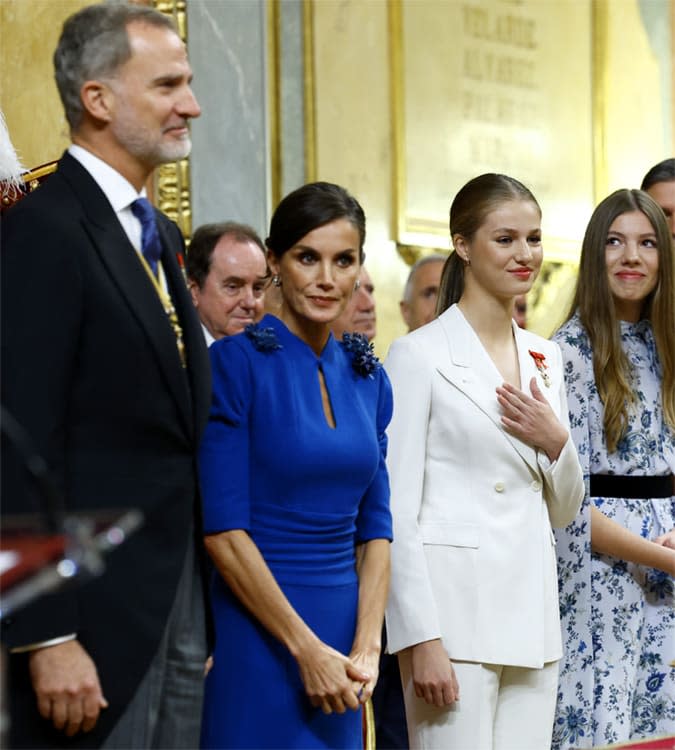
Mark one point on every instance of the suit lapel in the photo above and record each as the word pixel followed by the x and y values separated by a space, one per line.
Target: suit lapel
pixel 198 366
pixel 122 263
pixel 528 368
pixel 470 369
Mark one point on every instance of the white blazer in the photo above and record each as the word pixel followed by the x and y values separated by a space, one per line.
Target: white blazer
pixel 473 558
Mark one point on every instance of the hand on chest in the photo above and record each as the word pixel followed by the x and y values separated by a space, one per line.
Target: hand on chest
pixel 466 416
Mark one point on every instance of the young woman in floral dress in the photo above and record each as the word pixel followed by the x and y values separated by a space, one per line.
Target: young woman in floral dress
pixel 617 560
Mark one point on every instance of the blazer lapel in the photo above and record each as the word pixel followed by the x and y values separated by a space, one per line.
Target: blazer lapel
pixel 470 369
pixel 528 367
pixel 124 266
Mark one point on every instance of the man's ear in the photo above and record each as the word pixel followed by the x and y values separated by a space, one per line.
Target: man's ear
pixel 405 312
pixel 98 100
pixel 194 292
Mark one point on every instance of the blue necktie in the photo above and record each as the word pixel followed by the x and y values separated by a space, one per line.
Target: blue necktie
pixel 150 243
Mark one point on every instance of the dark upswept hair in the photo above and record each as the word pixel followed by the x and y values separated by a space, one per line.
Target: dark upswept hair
pixel 664 171
pixel 469 209
pixel 93 45
pixel 310 207
pixel 595 305
pixel 204 241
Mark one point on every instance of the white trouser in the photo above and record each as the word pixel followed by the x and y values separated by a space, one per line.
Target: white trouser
pixel 500 708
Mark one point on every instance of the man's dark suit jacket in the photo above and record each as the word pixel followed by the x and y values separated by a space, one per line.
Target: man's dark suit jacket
pixel 91 370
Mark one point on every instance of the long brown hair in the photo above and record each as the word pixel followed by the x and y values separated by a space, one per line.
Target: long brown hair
pixel 468 212
pixel 594 303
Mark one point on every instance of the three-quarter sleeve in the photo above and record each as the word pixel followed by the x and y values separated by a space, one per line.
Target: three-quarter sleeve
pixel 224 451
pixel 374 517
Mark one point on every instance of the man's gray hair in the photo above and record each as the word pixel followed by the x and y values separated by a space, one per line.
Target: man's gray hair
pixel 93 45
pixel 433 258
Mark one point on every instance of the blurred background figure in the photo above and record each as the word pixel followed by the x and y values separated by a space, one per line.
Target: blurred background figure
pixel 359 315
pixel 520 310
pixel 659 182
pixel 227 276
pixel 418 305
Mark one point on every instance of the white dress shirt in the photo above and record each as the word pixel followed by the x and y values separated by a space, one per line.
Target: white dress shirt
pixel 120 194
pixel 207 335
pixel 117 189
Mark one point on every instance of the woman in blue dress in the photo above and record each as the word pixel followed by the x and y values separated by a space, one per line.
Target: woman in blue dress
pixel 617 559
pixel 296 498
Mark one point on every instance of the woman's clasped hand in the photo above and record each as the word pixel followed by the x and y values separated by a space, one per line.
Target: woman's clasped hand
pixel 332 681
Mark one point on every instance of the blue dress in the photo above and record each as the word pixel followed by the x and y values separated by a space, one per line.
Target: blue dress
pixel 307 494
pixel 618 618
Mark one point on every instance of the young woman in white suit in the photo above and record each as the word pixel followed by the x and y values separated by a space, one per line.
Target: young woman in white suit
pixel 481 465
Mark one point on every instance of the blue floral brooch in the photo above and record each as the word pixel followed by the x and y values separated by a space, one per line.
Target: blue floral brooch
pixel 364 360
pixel 264 339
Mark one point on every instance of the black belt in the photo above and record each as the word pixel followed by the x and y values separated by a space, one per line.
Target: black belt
pixel 613 485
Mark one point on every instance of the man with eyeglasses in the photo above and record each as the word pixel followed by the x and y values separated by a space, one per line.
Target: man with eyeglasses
pixel 227 276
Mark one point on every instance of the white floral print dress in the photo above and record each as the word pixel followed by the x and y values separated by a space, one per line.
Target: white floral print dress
pixel 618 619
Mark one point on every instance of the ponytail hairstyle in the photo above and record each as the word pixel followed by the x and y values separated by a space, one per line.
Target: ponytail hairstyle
pixel 468 212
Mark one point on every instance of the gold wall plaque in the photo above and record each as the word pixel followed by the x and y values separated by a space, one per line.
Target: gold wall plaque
pixel 492 86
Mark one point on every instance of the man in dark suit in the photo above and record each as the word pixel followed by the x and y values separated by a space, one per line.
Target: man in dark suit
pixel 104 365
